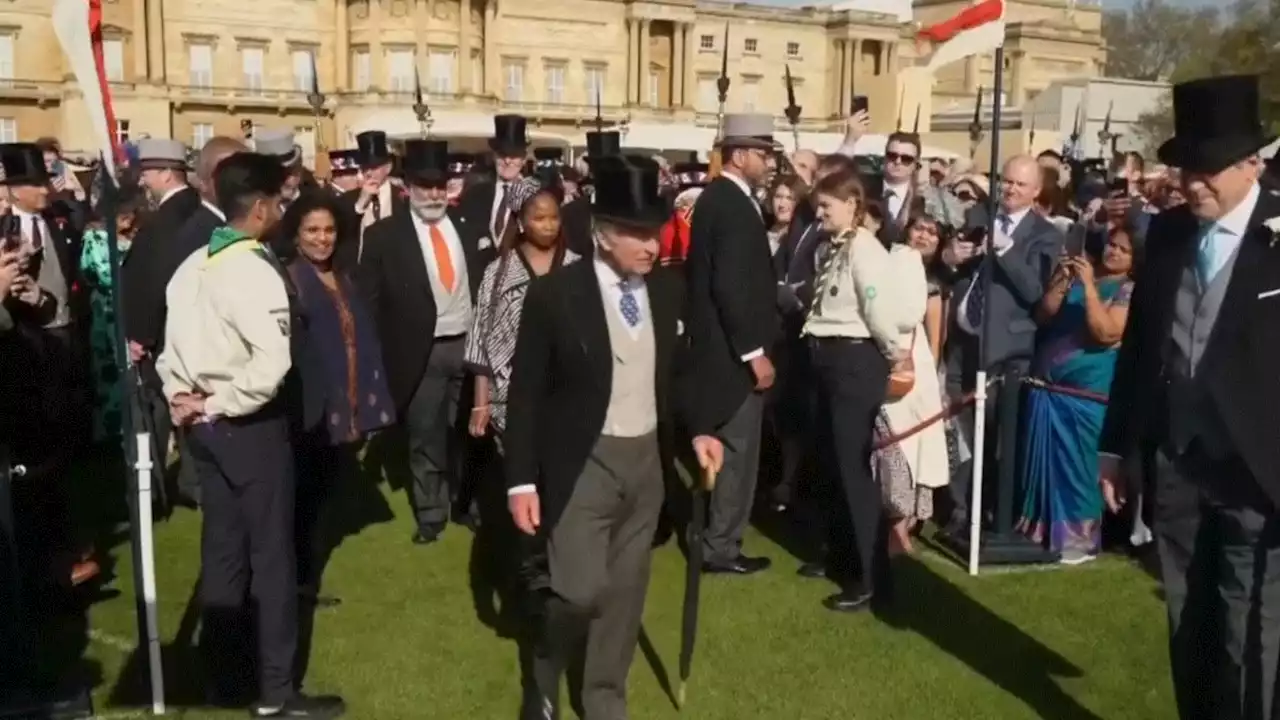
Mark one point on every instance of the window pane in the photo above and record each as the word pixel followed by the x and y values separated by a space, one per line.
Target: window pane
pixel 113 59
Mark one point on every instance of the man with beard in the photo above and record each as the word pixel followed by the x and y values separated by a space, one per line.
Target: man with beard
pixel 223 366
pixel 421 271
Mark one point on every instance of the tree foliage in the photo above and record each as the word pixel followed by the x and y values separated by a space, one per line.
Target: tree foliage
pixel 1153 38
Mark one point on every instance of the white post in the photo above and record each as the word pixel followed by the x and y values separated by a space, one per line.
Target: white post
pixel 979 443
pixel 147 557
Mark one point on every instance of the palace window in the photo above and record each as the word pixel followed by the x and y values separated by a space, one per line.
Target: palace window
pixel 750 93
pixel 793 49
pixel 201 133
pixel 251 64
pixel 113 59
pixel 595 83
pixel 303 64
pixel 200 66
pixel 555 83
pixel 6 59
pixel 513 71
pixel 8 130
pixel 707 42
pixel 750 45
pixel 707 97
pixel 654 82
pixel 361 71
pixel 122 131
pixel 440 65
pixel 400 70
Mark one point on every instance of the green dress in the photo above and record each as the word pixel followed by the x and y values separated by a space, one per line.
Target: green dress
pixel 95 268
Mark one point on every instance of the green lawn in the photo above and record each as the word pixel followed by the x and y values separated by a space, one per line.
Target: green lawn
pixel 407 643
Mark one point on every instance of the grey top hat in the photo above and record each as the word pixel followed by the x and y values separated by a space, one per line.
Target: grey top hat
pixel 748 130
pixel 155 153
pixel 279 144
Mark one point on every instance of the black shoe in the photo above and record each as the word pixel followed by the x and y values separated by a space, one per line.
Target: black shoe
pixel 426 536
pixel 327 601
pixel 323 707
pixel 849 601
pixel 813 570
pixel 741 565
pixel 467 520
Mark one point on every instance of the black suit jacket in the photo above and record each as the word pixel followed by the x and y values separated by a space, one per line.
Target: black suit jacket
pixel 476 205
pixel 150 264
pixel 731 303
pixel 394 278
pixel 562 377
pixel 1239 364
pixel 346 255
pixel 575 222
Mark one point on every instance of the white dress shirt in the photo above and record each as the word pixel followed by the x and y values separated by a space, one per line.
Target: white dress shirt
pixel 611 293
pixel 170 193
pixel 1002 241
pixel 453 308
pixel 53 277
pixel 746 190
pixel 894 197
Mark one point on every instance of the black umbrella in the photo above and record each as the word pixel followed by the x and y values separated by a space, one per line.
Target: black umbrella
pixel 693 578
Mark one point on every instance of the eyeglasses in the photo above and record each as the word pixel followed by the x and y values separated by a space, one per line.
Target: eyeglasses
pixel 900 158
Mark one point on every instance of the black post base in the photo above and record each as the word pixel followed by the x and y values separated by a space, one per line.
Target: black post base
pixel 1000 549
pixel 61 705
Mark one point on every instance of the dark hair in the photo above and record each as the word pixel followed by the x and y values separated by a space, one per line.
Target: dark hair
pixel 307 203
pixel 243 179
pixel 1050 154
pixel 511 237
pixel 799 191
pixel 837 163
pixel 49 144
pixel 911 139
pixel 1137 243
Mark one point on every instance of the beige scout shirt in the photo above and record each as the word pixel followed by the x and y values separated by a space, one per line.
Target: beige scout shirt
pixel 851 294
pixel 227 333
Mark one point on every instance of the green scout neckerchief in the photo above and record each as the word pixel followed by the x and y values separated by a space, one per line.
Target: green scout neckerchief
pixel 224 237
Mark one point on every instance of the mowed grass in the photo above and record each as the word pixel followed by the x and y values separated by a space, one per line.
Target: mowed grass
pixel 407 642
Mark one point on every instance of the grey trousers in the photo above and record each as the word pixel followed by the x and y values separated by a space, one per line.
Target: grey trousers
pixel 599 554
pixel 1219 547
pixel 431 422
pixel 735 490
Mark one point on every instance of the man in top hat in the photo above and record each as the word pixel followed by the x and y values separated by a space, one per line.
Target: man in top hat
pixel 459 165
pixel 732 323
pixel 1195 382
pixel 344 171
pixel 576 214
pixel 420 271
pixel 590 436
pixel 42 363
pixel 376 198
pixel 485 204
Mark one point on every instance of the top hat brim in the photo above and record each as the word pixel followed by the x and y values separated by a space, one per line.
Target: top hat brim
pixel 508 147
pixel 26 179
pixel 652 217
pixel 163 164
pixel 748 141
pixel 1210 156
pixel 426 177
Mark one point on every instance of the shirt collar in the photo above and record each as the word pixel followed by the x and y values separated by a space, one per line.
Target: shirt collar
pixel 170 193
pixel 899 190
pixel 214 209
pixel 1015 218
pixel 742 184
pixel 610 278
pixel 1236 222
pixel 23 213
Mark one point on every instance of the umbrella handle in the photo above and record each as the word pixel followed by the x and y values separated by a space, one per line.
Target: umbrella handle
pixel 708 479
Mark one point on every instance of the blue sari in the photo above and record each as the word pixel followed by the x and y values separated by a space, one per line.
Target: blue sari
pixel 1062 504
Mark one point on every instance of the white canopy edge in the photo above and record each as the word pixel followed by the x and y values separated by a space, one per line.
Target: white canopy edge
pixel 444 124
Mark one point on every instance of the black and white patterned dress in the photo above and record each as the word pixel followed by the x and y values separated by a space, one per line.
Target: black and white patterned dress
pixel 491 344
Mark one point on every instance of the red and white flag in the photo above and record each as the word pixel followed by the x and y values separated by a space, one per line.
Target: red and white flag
pixel 976 29
pixel 78 25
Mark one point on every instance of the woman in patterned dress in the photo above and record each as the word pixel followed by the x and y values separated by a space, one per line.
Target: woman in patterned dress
pixel 95 268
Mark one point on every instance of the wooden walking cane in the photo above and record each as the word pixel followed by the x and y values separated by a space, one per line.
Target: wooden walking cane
pixel 693 579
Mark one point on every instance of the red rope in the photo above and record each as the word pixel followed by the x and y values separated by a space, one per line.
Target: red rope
pixel 951 410
pixel 1065 390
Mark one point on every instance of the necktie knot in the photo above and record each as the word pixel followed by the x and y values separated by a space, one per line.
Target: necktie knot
pixel 1005 221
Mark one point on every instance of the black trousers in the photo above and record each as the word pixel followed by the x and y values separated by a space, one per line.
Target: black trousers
pixel 245 466
pixel 320 466
pixel 431 422
pixel 1218 540
pixel 851 378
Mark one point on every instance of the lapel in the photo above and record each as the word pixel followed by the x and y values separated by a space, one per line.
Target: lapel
pixel 665 330
pixel 470 248
pixel 406 238
pixel 587 310
pixel 1251 262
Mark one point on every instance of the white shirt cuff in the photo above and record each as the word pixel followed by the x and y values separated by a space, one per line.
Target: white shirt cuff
pixel 753 355
pixel 522 490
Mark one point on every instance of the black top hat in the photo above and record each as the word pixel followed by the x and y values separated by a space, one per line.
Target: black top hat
pixel 1216 123
pixel 603 143
pixel 627 192
pixel 509 136
pixel 461 163
pixel 344 162
pixel 426 162
pixel 372 148
pixel 23 164
pixel 690 174
pixel 548 155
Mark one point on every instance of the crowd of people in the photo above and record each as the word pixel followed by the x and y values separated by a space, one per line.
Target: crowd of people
pixel 568 336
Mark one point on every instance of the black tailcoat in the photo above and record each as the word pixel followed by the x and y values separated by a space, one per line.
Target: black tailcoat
pixel 346 255
pixel 562 378
pixel 150 264
pixel 731 303
pixel 394 278
pixel 1239 364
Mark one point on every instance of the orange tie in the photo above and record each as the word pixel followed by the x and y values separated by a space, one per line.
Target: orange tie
pixel 444 262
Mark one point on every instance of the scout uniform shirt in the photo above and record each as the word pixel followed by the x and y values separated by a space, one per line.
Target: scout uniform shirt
pixel 227 333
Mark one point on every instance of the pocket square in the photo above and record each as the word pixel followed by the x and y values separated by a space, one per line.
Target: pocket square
pixel 484 243
pixel 679 327
pixel 1269 293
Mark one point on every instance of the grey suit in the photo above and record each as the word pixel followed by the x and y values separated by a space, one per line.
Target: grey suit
pixel 1018 280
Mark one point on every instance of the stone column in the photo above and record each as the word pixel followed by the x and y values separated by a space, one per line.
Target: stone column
pixel 1017 78
pixel 884 57
pixel 633 62
pixel 141 35
pixel 491 69
pixel 690 66
pixel 422 10
pixel 155 42
pixel 464 47
pixel 891 49
pixel 642 84
pixel 341 47
pixel 855 71
pixel 837 81
pixel 677 66
pixel 971 75
pixel 377 69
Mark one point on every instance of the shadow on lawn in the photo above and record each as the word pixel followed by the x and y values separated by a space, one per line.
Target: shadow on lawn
pixel 929 605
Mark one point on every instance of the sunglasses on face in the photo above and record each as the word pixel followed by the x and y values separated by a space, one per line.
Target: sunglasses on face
pixel 900 158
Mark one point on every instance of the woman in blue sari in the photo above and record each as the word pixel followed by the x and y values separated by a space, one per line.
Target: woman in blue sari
pixel 1082 317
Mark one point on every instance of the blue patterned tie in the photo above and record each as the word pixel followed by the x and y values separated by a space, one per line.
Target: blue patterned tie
pixel 1208 262
pixel 629 306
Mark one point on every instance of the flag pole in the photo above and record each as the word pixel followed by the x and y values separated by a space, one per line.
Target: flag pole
pixel 984 334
